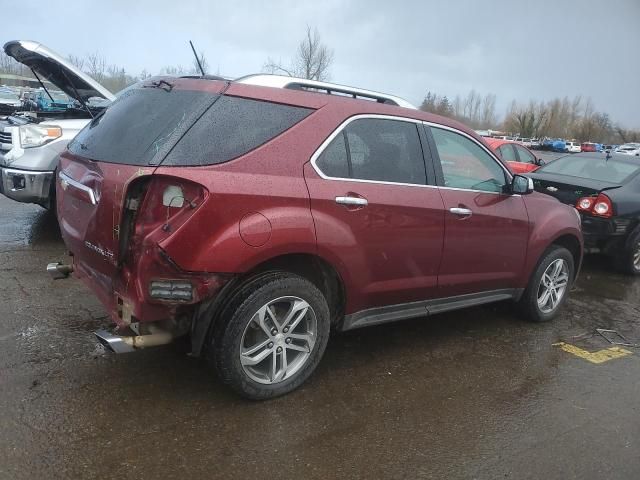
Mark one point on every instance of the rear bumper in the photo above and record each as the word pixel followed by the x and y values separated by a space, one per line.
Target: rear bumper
pixel 26 186
pixel 126 295
pixel 608 236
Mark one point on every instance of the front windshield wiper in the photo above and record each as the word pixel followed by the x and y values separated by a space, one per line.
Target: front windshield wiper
pixel 161 84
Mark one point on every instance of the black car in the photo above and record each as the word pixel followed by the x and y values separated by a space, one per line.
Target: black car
pixel 605 189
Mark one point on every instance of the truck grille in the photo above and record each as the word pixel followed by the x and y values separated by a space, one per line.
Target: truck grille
pixel 5 140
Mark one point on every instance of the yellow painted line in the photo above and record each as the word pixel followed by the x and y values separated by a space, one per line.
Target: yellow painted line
pixel 600 356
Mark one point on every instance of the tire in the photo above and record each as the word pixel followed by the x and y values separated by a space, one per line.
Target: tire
pixel 629 261
pixel 529 304
pixel 247 322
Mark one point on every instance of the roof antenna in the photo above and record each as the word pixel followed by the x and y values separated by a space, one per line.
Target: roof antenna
pixel 197 58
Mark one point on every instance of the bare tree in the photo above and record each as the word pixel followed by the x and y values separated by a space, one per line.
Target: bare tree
pixel 76 61
pixel 312 61
pixel 96 66
pixel 203 62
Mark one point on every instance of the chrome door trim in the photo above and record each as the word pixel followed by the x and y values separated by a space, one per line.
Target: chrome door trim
pixel 352 201
pixel 461 211
pixel 345 123
pixel 66 179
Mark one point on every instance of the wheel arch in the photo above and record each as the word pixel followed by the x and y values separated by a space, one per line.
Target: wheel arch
pixel 571 243
pixel 312 267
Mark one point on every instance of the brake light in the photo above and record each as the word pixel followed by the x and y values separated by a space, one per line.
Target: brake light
pixel 168 203
pixel 600 206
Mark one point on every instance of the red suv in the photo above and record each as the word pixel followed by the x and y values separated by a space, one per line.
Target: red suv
pixel 256 215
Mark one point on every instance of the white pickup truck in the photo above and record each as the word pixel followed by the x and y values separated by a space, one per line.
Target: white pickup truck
pixel 30 142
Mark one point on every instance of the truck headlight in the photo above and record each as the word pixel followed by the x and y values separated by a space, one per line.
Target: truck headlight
pixel 36 135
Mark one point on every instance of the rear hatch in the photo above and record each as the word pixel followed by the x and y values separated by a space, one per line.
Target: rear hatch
pixel 123 145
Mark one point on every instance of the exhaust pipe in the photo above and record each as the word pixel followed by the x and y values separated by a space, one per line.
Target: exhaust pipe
pixel 120 344
pixel 59 271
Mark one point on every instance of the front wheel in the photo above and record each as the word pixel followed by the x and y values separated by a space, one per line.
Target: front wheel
pixel 272 336
pixel 549 285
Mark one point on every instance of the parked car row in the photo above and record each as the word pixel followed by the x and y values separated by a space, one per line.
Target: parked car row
pixel 256 215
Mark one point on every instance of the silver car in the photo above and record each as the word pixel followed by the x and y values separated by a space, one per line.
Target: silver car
pixel 30 142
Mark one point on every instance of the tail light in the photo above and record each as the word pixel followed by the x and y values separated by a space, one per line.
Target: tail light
pixel 167 204
pixel 599 206
pixel 155 211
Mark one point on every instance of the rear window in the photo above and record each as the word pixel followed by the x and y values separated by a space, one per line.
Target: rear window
pixel 141 126
pixel 232 127
pixel 612 171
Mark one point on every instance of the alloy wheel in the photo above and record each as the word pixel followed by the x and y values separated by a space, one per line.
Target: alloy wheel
pixel 636 257
pixel 553 285
pixel 278 340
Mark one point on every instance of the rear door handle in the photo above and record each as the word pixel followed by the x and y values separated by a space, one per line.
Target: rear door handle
pixel 352 201
pixel 463 212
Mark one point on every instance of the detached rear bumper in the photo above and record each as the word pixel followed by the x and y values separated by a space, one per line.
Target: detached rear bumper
pixel 27 186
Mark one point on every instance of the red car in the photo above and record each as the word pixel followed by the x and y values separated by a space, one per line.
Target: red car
pixel 519 159
pixel 256 215
pixel 589 147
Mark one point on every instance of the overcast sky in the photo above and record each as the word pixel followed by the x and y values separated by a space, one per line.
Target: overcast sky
pixel 516 49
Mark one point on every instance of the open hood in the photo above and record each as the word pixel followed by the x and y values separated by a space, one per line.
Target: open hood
pixel 60 72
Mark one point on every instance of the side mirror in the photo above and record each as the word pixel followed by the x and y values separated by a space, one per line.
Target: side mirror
pixel 540 162
pixel 521 185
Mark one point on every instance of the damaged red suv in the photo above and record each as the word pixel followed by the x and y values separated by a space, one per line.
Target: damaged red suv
pixel 256 215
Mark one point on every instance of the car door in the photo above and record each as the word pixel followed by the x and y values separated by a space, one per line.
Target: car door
pixel 526 159
pixel 486 230
pixel 376 218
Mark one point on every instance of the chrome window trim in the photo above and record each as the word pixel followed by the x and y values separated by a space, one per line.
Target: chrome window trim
pixel 509 175
pixel 345 123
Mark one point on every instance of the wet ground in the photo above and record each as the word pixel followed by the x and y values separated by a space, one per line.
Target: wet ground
pixel 472 394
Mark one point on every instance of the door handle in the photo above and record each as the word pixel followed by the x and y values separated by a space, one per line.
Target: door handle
pixel 463 212
pixel 352 201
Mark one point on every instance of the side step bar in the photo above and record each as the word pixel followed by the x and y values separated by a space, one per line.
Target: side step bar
pixel 119 344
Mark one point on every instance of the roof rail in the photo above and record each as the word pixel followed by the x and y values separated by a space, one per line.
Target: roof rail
pixel 293 83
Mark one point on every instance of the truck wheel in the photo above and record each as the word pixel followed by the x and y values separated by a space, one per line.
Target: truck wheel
pixel 629 261
pixel 549 285
pixel 271 336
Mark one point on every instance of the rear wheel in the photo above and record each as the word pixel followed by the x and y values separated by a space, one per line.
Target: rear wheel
pixel 549 285
pixel 629 260
pixel 272 336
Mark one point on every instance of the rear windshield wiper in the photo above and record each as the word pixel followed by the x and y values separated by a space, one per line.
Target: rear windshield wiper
pixel 162 84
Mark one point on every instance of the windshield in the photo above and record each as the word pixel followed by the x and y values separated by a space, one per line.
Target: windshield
pixel 8 95
pixel 58 96
pixel 611 171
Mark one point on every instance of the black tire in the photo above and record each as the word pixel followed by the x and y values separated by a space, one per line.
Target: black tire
pixel 528 304
pixel 625 261
pixel 224 350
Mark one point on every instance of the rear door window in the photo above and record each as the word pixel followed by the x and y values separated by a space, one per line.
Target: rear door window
pixel 334 160
pixel 376 149
pixel 232 127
